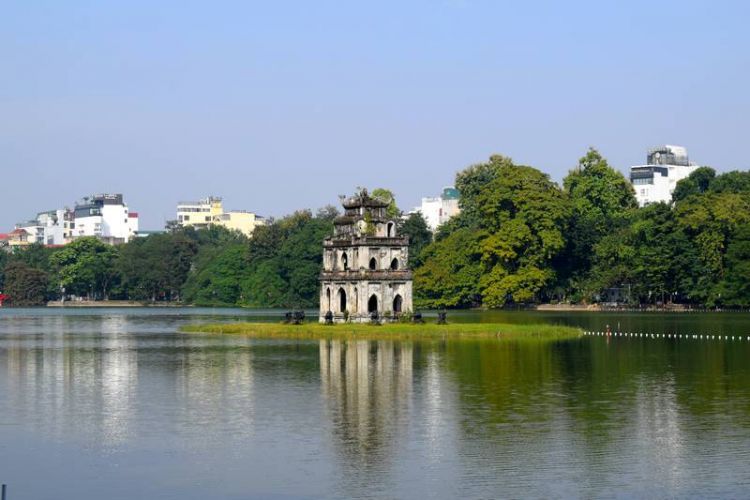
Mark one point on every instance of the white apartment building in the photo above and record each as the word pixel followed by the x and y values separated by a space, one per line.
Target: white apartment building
pixel 54 227
pixel 106 217
pixel 655 181
pixel 437 210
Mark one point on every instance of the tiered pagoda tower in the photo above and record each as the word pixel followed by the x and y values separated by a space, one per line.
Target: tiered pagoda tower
pixel 365 265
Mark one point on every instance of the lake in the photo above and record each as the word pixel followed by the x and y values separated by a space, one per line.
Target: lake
pixel 114 403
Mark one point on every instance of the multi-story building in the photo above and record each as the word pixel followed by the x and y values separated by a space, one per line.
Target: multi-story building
pixel 437 210
pixel 656 180
pixel 53 227
pixel 106 217
pixel 18 238
pixel 199 214
pixel 209 211
pixel 240 220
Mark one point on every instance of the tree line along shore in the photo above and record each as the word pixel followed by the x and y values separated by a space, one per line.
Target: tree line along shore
pixel 520 239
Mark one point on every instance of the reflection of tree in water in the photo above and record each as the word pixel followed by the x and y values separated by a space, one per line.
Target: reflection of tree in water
pixel 614 407
pixel 368 388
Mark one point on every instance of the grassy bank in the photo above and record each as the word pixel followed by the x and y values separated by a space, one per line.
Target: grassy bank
pixel 398 331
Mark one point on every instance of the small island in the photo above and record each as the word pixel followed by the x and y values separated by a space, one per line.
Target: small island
pixel 366 291
pixel 392 331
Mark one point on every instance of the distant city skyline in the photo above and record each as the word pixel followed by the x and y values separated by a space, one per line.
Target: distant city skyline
pixel 283 106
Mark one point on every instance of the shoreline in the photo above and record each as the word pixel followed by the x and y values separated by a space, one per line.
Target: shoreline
pixel 111 303
pixel 591 308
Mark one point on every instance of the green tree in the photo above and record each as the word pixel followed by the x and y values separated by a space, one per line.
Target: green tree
pixel 156 267
pixel 278 267
pixel 386 196
pixel 470 183
pixel 731 182
pixel 710 220
pixel 736 288
pixel 450 274
pixel 25 285
pixel 696 183
pixel 218 280
pixel 601 200
pixel 524 215
pixel 515 219
pixel 4 258
pixel 415 227
pixel 86 267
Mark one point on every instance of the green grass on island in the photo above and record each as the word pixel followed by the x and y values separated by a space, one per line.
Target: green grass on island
pixel 392 331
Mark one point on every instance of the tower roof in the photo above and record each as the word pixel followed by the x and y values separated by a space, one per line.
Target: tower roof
pixel 363 199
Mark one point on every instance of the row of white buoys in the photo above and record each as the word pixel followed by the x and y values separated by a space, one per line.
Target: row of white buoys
pixel 667 335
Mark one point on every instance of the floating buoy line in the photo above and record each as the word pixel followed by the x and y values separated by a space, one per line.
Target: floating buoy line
pixel 678 336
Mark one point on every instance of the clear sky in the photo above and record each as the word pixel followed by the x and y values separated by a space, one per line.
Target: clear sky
pixel 281 105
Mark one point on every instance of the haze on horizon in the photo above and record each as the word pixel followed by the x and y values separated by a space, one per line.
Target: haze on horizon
pixel 278 106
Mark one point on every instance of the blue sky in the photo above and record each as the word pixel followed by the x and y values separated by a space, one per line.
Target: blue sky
pixel 284 105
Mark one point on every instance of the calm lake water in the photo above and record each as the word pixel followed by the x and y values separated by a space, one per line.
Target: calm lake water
pixel 115 404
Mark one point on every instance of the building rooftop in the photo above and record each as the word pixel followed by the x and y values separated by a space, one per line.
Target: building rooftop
pixel 202 201
pixel 668 155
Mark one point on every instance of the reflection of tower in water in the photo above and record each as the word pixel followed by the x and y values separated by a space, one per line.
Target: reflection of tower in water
pixel 368 388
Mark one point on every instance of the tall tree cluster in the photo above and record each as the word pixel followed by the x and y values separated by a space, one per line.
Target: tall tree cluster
pixel 520 238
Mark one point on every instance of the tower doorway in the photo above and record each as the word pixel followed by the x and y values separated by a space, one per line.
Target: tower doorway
pixel 372 304
pixel 342 300
pixel 397 304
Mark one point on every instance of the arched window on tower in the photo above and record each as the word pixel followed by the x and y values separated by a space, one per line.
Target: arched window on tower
pixel 390 231
pixel 344 261
pixel 373 264
pixel 394 265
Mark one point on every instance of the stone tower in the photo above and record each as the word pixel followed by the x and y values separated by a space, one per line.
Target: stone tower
pixel 365 264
